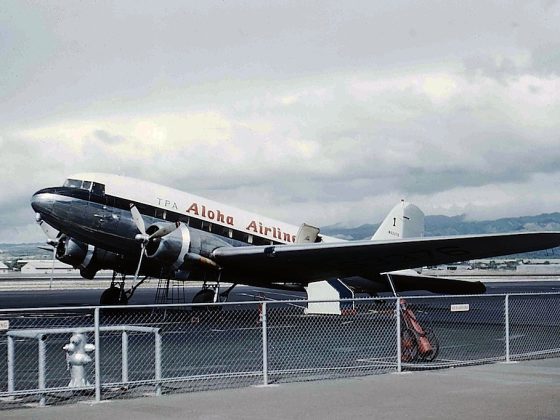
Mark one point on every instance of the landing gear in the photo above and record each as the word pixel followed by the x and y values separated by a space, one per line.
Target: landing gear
pixel 204 296
pixel 113 296
pixel 116 293
pixel 211 294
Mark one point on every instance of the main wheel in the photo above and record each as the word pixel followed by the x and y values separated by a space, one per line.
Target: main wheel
pixel 112 296
pixel 409 346
pixel 430 335
pixel 205 296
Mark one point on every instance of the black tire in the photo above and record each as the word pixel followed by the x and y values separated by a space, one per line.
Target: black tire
pixel 430 335
pixel 205 296
pixel 112 296
pixel 409 346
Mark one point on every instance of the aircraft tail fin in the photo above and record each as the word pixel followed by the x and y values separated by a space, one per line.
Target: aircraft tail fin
pixel 405 220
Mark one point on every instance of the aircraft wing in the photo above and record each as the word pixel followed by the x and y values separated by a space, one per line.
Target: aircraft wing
pixel 317 261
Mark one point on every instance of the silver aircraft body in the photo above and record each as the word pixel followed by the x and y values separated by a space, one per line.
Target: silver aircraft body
pixel 100 221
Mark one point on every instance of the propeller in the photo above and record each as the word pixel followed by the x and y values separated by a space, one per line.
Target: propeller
pixel 53 239
pixel 143 236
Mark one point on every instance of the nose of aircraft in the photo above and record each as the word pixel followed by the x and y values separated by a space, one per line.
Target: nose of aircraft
pixel 42 202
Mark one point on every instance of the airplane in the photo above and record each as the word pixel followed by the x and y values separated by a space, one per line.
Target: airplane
pixel 98 221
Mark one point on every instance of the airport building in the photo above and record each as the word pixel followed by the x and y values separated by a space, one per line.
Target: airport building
pixel 3 268
pixel 46 267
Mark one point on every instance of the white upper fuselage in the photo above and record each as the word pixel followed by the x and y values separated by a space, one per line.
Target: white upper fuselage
pixel 174 201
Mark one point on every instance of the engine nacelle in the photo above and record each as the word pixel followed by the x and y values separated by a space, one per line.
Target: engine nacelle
pixel 170 249
pixel 174 249
pixel 71 252
pixel 87 258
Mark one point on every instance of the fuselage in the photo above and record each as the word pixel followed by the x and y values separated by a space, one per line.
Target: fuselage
pixel 94 208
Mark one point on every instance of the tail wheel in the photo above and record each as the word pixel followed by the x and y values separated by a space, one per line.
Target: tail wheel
pixel 409 345
pixel 430 335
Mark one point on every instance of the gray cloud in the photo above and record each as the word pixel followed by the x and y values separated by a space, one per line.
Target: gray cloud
pixel 308 110
pixel 107 138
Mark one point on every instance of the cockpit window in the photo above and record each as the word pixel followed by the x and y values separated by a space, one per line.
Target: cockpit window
pixel 73 183
pixel 94 187
pixel 76 183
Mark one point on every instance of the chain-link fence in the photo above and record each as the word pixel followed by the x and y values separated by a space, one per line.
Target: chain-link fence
pixel 49 356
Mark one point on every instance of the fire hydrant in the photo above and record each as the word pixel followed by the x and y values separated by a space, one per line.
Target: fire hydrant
pixel 77 359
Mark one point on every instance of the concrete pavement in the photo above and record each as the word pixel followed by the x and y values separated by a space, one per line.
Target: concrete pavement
pixel 525 390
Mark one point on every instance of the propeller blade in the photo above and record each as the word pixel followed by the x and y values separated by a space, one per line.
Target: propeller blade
pixel 52 268
pixel 139 264
pixel 166 230
pixel 49 231
pixel 137 217
pixel 47 248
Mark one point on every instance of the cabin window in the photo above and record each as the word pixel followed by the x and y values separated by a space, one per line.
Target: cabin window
pixel 240 236
pixel 159 213
pixel 221 230
pixel 144 209
pixel 262 241
pixel 195 223
pixel 86 185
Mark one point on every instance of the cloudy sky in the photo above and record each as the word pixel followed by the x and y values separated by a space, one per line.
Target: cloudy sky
pixel 317 111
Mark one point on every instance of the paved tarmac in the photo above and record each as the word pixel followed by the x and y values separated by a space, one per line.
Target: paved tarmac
pixel 34 293
pixel 524 390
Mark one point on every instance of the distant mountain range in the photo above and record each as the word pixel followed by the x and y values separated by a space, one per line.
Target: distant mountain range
pixel 435 226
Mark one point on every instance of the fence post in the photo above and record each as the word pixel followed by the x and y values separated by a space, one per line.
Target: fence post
pixel 158 361
pixel 11 387
pixel 42 360
pixel 97 355
pixel 264 344
pixel 506 319
pixel 398 316
pixel 124 349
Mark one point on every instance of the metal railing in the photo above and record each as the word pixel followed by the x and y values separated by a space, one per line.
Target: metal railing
pixel 159 349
